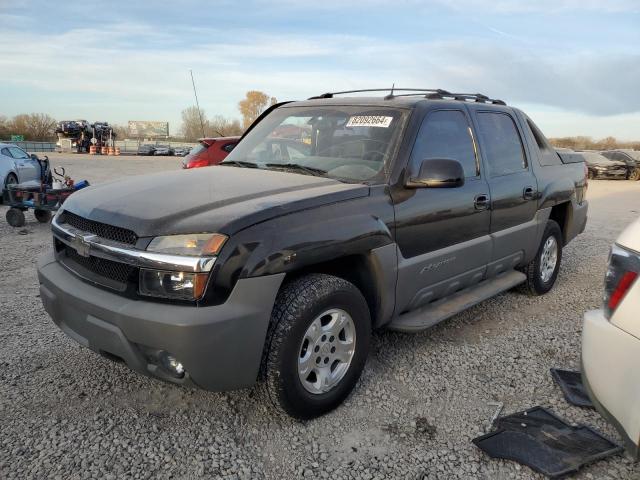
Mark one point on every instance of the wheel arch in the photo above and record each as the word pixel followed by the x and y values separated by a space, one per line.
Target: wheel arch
pixel 374 273
pixel 560 214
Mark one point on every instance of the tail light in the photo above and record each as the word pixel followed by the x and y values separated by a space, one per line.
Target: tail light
pixel 197 163
pixel 623 271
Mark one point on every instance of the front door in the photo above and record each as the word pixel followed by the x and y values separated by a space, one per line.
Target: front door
pixel 442 233
pixel 28 169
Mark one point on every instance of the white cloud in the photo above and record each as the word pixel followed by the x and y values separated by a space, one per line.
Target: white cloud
pixel 133 70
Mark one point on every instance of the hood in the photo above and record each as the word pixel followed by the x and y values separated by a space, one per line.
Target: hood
pixel 607 163
pixel 211 199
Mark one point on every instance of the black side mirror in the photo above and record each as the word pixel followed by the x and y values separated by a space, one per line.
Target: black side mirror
pixel 34 156
pixel 438 173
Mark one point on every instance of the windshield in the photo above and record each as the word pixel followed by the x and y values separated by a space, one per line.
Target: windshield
pixel 591 157
pixel 201 147
pixel 348 143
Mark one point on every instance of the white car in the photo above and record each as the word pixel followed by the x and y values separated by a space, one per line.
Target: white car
pixel 611 342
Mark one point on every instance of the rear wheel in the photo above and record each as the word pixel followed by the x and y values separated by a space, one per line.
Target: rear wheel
pixel 15 217
pixel 635 174
pixel 543 270
pixel 316 346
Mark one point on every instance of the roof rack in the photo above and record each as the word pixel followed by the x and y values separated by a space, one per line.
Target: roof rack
pixel 430 93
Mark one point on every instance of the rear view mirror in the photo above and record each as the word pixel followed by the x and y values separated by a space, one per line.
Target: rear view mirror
pixel 34 156
pixel 438 173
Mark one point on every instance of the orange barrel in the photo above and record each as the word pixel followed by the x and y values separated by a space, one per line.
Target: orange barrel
pixel 111 151
pixel 92 150
pixel 104 150
pixel 117 151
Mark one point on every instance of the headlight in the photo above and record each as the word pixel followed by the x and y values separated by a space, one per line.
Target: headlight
pixel 173 285
pixel 193 244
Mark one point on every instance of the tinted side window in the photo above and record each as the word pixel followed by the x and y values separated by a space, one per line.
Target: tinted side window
pixel 501 143
pixel 5 151
pixel 228 147
pixel 446 134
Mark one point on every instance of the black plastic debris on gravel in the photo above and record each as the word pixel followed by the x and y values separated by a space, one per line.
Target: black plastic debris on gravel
pixel 546 443
pixel 570 382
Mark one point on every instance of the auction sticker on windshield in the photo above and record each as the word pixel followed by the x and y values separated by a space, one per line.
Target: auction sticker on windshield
pixel 369 121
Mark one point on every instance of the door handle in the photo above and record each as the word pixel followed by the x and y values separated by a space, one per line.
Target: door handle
pixel 481 201
pixel 529 193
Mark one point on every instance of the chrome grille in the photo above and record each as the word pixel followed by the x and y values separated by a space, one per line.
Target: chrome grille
pixel 116 271
pixel 103 230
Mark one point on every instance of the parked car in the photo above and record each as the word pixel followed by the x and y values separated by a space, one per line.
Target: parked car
pixel 17 166
pixel 164 150
pixel 611 342
pixel 600 166
pixel 630 157
pixel 209 151
pixel 146 149
pixel 181 151
pixel 401 212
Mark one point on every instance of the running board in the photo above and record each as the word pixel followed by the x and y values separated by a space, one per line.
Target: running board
pixel 436 312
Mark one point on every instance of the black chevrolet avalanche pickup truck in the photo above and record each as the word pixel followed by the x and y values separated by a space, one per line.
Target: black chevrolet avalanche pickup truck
pixel 332 217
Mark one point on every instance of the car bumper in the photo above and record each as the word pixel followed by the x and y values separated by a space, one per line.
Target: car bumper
pixel 219 346
pixel 611 377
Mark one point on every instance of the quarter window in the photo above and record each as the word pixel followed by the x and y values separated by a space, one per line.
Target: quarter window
pixel 502 146
pixel 446 134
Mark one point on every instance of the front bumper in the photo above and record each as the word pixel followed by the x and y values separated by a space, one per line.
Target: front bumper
pixel 611 377
pixel 220 346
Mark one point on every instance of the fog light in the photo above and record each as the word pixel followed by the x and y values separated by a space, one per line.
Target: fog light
pixel 172 365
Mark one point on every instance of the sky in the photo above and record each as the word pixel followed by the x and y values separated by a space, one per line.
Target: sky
pixel 572 65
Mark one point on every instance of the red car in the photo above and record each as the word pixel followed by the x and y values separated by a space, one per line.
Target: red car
pixel 209 151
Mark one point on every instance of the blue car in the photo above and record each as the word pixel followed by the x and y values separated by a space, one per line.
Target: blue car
pixel 17 166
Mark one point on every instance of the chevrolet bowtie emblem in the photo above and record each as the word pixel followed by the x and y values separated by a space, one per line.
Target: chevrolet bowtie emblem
pixel 81 244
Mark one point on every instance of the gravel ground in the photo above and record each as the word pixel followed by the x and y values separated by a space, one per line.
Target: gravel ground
pixel 67 413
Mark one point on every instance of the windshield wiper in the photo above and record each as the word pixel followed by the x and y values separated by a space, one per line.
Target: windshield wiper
pixel 239 163
pixel 318 172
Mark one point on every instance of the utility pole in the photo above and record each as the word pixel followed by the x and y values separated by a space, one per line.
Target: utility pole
pixel 197 104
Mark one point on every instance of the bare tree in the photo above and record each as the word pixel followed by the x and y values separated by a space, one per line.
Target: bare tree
pixel 224 127
pixel 5 134
pixel 254 103
pixel 33 126
pixel 191 126
pixel 588 143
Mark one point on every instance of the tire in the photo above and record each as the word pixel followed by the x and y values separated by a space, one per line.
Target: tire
pixel 321 300
pixel 634 175
pixel 11 179
pixel 540 280
pixel 15 217
pixel 591 175
pixel 43 216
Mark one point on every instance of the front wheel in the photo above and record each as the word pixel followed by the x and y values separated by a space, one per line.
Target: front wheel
pixel 591 175
pixel 316 347
pixel 635 174
pixel 543 270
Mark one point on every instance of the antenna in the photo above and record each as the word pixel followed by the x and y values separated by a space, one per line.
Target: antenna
pixel 390 96
pixel 197 104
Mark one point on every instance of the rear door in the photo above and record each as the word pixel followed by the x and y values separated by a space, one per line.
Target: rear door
pixel 442 233
pixel 512 185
